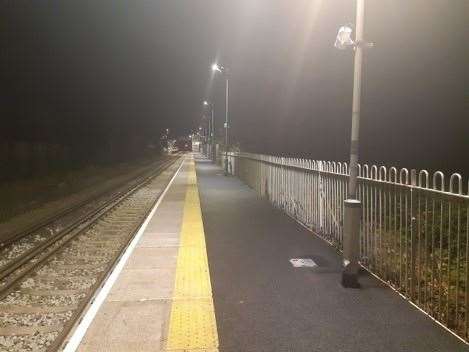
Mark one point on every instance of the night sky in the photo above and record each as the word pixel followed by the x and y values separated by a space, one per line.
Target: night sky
pixel 84 73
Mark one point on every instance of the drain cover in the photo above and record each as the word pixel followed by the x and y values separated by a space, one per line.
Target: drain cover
pixel 303 262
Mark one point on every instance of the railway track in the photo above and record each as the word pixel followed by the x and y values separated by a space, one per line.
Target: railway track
pixel 82 205
pixel 44 290
pixel 18 249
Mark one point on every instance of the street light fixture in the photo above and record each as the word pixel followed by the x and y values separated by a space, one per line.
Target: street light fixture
pixel 218 68
pixel 344 40
pixel 352 203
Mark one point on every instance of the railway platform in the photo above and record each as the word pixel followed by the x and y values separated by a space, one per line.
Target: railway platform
pixel 211 270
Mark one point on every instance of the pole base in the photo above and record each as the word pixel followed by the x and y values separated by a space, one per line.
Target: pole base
pixel 226 167
pixel 351 254
pixel 350 280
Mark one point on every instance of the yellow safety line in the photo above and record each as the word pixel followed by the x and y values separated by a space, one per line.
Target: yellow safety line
pixel 192 325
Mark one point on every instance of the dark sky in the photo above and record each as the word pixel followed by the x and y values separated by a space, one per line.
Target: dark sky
pixel 72 69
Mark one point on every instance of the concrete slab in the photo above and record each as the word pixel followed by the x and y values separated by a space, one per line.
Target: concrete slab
pixel 144 284
pixel 166 224
pixel 153 258
pixel 155 239
pixel 119 328
pixel 170 208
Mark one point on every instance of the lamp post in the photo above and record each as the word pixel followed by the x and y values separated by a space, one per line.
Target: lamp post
pixel 211 130
pixel 224 71
pixel 206 135
pixel 206 128
pixel 352 203
pixel 201 140
pixel 209 142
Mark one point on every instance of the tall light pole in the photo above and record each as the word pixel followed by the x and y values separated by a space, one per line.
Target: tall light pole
pixel 212 130
pixel 205 122
pixel 352 203
pixel 224 71
pixel 209 141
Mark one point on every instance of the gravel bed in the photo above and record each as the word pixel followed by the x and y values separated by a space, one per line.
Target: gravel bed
pixel 34 319
pixel 79 261
pixel 84 255
pixel 22 246
pixel 26 300
pixel 30 343
pixel 70 272
pixel 95 235
pixel 77 283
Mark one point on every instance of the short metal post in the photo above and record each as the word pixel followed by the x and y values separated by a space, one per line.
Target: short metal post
pixel 351 243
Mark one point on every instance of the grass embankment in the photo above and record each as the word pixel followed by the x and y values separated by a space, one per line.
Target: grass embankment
pixel 22 196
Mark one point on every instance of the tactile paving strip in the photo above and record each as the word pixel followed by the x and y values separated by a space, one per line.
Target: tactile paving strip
pixel 194 280
pixel 192 324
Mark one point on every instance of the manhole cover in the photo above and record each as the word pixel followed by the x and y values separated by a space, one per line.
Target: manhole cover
pixel 303 262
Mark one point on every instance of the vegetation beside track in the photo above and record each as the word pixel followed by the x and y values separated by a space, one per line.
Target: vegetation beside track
pixel 26 195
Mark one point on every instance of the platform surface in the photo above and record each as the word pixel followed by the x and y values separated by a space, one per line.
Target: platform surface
pixel 212 272
pixel 263 303
pixel 162 299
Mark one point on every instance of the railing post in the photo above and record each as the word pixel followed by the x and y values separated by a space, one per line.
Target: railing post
pixel 320 197
pixel 413 232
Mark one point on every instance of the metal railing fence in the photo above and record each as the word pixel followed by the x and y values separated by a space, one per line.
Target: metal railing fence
pixel 414 231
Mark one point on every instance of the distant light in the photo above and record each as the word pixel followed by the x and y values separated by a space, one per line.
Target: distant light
pixel 205 102
pixel 343 39
pixel 215 67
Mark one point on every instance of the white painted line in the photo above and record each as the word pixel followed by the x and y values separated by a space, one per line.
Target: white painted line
pixel 303 262
pixel 87 319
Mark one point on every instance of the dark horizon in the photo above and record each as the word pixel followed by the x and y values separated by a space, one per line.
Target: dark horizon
pixel 90 75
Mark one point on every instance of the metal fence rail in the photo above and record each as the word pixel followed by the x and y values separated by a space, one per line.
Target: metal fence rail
pixel 414 231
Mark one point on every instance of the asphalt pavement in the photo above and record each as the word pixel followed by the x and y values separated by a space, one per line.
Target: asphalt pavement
pixel 264 304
